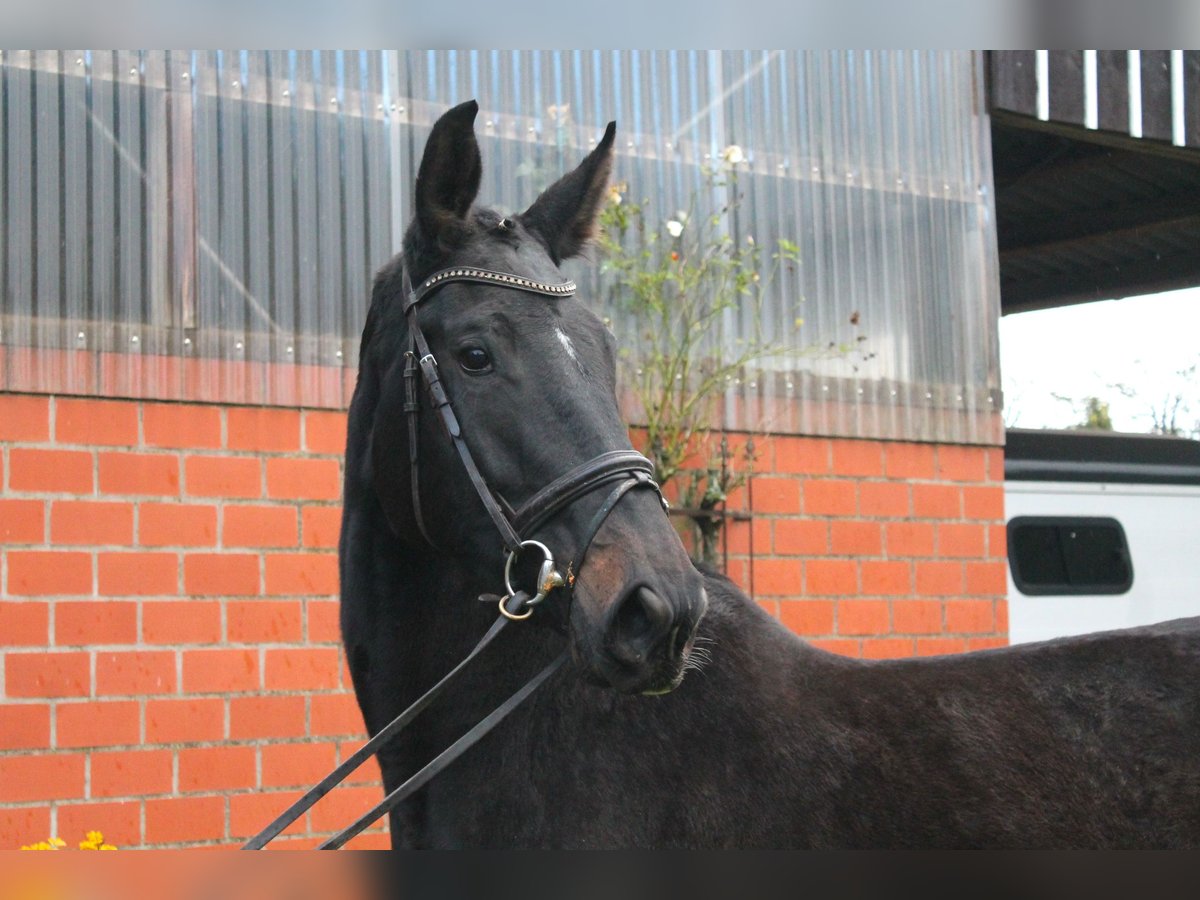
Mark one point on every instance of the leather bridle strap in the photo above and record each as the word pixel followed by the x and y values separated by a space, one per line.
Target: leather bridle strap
pixel 582 480
pixel 425 360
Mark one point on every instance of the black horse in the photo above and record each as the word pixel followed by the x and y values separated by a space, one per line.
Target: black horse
pixel 1085 742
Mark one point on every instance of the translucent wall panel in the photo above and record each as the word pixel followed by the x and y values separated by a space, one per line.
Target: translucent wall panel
pixel 206 224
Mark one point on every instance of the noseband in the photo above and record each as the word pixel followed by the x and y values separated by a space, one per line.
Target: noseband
pixel 626 466
pixel 628 469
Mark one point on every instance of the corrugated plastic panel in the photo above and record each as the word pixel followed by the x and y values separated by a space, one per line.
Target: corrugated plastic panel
pixel 205 225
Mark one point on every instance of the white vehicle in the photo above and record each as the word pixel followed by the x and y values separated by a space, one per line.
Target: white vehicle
pixel 1103 531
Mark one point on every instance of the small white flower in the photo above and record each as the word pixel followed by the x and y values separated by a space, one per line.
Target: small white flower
pixel 674 228
pixel 733 154
pixel 614 195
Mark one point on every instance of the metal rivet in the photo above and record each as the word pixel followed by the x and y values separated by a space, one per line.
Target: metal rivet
pixel 134 339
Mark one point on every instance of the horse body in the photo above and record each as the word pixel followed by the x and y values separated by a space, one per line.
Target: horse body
pixel 1088 742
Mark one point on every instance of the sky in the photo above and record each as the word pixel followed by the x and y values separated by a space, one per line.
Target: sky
pixel 1088 350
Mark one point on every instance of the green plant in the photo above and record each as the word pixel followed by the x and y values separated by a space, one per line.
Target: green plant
pixel 678 283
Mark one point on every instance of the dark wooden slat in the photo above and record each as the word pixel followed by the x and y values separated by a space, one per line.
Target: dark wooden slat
pixel 1156 94
pixel 1014 80
pixel 1112 90
pixel 1065 74
pixel 1191 97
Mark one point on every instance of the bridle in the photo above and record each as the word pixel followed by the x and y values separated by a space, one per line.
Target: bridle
pixel 624 470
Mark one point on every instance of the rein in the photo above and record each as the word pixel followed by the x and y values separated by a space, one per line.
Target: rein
pixel 628 468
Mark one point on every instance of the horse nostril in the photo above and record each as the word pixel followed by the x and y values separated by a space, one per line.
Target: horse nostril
pixel 639 622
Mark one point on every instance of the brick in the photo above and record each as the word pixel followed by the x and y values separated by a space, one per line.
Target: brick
pixel 265 621
pixel 887 648
pixel 303 479
pixel 297 765
pixel 830 577
pixel 50 471
pixel 857 458
pixel 260 526
pixel 177 820
pixel 217 769
pixel 840 646
pixel 223 476
pixel 131 773
pixel 337 808
pixel 22 522
pixel 801 537
pixel 24 624
pixel 27 778
pixel 88 623
pixel 24 726
pixel 970 616
pixel 321 526
pixel 937 501
pixel 863 617
pixel 324 625
pixel 886 578
pixel 91 523
pixel 177 525
pixel 940 646
pixel 249 813
pixel 997 541
pixel 856 538
pixel 113 723
pixel 304 574
pixel 221 574
pixel 181 425
pixel 983 502
pixel 181 622
pixel 302 669
pixel 370 840
pixel 807 616
pixel 120 822
pixel 24 417
pixel 958 541
pixel 266 717
pixel 336 714
pixel 917 616
pixel 20 825
pixel 957 463
pixel 801 456
pixel 1001 613
pixel 135 672
pixel 325 432
pixel 137 574
pixel 185 721
pixel 776 577
pixel 47 674
pixel 986 643
pixel 775 495
pixel 739 537
pixel 995 464
pixel 220 671
pixel 139 473
pixel 909 461
pixel 879 499
pixel 909 538
pixel 939 579
pixel 112 423
pixel 33 573
pixel 262 429
pixel 829 498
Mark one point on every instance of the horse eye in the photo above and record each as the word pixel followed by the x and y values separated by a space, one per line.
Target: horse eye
pixel 474 359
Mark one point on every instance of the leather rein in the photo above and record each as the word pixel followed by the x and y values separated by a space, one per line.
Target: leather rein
pixel 624 470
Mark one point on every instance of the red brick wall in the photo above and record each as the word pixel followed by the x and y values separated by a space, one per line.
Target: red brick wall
pixel 876 548
pixel 170 671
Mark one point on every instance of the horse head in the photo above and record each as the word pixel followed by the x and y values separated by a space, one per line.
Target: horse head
pixel 531 380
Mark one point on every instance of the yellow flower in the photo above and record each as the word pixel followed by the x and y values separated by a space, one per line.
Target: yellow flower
pixel 57 843
pixel 95 837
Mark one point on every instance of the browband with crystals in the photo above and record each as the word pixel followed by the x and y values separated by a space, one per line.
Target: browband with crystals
pixel 486 276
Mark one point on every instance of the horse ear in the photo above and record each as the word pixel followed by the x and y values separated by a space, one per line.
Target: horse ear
pixel 448 179
pixel 564 216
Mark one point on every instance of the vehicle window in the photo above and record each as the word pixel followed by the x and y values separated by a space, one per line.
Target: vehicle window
pixel 1061 555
